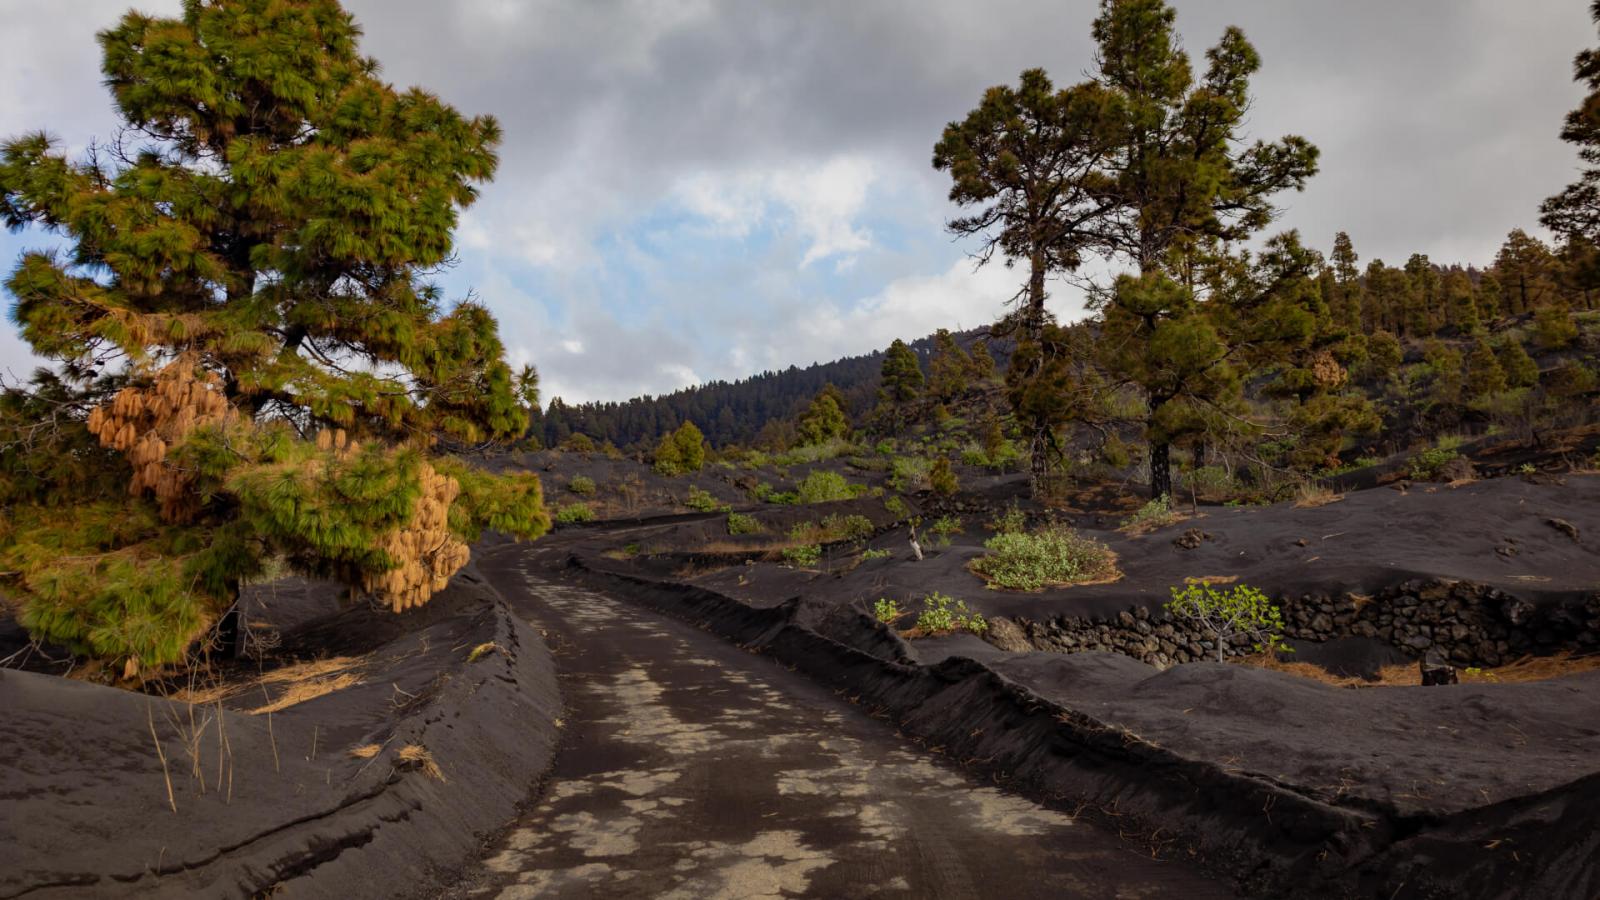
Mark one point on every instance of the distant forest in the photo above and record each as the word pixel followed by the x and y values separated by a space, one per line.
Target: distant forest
pixel 728 412
pixel 1411 302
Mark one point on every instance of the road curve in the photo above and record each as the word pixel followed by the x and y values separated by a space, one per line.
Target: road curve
pixel 692 769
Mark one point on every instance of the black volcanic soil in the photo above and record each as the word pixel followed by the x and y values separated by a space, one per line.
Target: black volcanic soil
pixel 277 804
pixel 1293 786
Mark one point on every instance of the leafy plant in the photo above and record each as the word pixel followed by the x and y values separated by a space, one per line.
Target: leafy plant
pixel 739 523
pixel 868 555
pixel 582 485
pixel 1053 555
pixel 1238 610
pixel 897 507
pixel 910 473
pixel 942 614
pixel 574 513
pixel 1428 464
pixel 1155 514
pixel 823 487
pixel 886 611
pixel 803 556
pixel 1011 520
pixel 703 501
pixel 944 527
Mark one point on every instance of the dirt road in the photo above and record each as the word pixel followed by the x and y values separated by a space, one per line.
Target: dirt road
pixel 691 769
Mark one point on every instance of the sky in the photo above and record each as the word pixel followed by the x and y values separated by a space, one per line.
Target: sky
pixel 705 189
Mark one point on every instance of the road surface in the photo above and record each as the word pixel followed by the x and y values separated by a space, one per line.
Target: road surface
pixel 692 769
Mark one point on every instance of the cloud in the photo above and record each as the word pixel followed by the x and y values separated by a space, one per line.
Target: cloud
pixel 700 188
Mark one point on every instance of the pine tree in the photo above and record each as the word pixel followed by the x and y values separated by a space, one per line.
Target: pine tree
pixel 1519 368
pixel 1553 326
pixel 1575 212
pixel 1488 298
pixel 949 369
pixel 902 375
pixel 982 363
pixel 1026 158
pixel 247 333
pixel 1524 268
pixel 1384 354
pixel 1484 375
pixel 1461 301
pixel 824 420
pixel 681 451
pixel 1181 181
pixel 1348 278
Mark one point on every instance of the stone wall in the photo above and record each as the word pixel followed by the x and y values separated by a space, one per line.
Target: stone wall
pixel 1460 622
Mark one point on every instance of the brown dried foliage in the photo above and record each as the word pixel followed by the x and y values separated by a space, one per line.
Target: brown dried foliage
pixel 145 421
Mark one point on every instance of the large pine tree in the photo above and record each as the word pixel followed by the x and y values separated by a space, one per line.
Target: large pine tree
pixel 1184 184
pixel 246 337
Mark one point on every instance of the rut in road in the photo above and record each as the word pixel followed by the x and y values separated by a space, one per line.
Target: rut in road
pixel 692 769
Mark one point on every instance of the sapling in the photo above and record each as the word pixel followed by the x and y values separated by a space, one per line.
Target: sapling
pixel 1239 610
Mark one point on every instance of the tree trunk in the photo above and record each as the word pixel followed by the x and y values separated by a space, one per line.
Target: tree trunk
pixel 230 633
pixel 1160 470
pixel 1039 461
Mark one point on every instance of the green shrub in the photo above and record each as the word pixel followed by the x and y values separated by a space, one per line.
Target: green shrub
pixel 942 478
pixel 822 487
pixel 574 513
pixel 973 455
pixel 1052 555
pixel 803 556
pixel 703 501
pixel 896 506
pixel 681 452
pixel 578 442
pixel 868 555
pixel 944 527
pixel 886 611
pixel 1012 520
pixel 739 523
pixel 941 614
pixel 910 473
pixel 1238 610
pixel 1427 464
pixel 847 528
pixel 1155 514
pixel 581 484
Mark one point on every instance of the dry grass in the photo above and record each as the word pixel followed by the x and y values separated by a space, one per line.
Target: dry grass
pixel 1311 495
pixel 365 751
pixel 1525 670
pixel 482 650
pixel 416 756
pixel 301 681
pixel 1211 579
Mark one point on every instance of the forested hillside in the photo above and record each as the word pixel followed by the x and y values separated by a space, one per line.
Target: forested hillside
pixel 727 412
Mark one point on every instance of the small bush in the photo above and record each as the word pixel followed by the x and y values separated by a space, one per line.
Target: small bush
pixel 1155 514
pixel 1053 555
pixel 581 484
pixel 803 556
pixel 942 614
pixel 896 506
pixel 869 555
pixel 910 473
pixel 1010 521
pixel 703 501
pixel 578 442
pixel 944 527
pixel 574 513
pixel 1427 464
pixel 886 611
pixel 973 455
pixel 824 487
pixel 942 478
pixel 739 523
pixel 1238 610
pixel 848 528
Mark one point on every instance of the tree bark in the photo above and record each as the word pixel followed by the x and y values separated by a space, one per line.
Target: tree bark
pixel 1160 470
